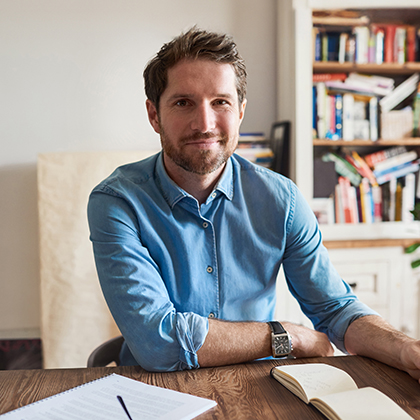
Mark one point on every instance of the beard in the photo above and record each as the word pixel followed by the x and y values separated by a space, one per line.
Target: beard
pixel 199 162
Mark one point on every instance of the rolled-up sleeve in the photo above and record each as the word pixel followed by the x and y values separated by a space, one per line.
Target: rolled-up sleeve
pixel 323 296
pixel 159 337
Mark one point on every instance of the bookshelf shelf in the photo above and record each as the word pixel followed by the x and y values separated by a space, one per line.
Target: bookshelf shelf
pixel 414 141
pixel 385 68
pixel 363 231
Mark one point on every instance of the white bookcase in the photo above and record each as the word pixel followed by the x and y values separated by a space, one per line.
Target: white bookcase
pixel 381 270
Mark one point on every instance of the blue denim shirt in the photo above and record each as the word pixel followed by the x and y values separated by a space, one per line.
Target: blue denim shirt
pixel 166 264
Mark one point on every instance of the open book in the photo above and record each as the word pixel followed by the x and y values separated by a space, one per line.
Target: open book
pixel 335 394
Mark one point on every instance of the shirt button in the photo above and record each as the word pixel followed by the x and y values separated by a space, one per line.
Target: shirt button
pixel 214 194
pixel 209 269
pixel 205 225
pixel 212 315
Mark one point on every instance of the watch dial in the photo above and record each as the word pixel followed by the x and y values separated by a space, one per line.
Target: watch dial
pixel 281 344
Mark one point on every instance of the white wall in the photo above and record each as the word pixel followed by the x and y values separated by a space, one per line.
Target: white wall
pixel 71 80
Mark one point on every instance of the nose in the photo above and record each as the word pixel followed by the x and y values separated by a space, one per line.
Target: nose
pixel 203 119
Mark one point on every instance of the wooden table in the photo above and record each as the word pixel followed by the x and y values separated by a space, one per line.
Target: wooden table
pixel 243 391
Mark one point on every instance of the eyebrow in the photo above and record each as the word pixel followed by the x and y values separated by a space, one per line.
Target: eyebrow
pixel 189 96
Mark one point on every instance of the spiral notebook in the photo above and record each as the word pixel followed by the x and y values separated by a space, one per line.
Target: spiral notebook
pixel 97 400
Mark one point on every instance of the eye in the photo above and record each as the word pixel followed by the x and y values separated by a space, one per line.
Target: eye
pixel 181 103
pixel 221 102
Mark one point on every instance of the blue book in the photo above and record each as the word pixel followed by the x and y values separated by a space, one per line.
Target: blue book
pixel 338 117
pixel 396 168
pixel 317 52
pixel 314 110
pixel 333 46
pixel 412 167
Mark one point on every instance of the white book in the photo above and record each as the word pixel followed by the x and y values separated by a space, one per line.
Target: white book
pixel 98 399
pixel 321 104
pixel 395 161
pixel 379 47
pixel 399 39
pixel 408 198
pixel 362 44
pixel 373 118
pixel 392 202
pixel 373 79
pixel 400 93
pixel 342 47
pixel 348 116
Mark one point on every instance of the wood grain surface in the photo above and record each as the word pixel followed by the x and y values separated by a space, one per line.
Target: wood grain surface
pixel 245 391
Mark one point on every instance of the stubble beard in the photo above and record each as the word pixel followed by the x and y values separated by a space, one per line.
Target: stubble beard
pixel 200 162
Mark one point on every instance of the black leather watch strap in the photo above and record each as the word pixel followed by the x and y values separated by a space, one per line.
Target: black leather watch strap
pixel 276 327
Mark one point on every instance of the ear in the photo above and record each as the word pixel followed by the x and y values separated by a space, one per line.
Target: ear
pixel 242 111
pixel 153 115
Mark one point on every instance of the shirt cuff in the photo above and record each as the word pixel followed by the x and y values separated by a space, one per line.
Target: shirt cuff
pixel 191 331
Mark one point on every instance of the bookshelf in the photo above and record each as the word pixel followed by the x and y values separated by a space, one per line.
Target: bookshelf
pixel 295 83
pixel 370 256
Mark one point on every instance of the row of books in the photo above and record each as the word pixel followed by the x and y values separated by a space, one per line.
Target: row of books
pixel 256 148
pixel 392 201
pixel 380 186
pixel 375 43
pixel 353 106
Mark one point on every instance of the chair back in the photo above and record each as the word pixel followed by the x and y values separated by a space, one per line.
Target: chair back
pixel 280 145
pixel 106 353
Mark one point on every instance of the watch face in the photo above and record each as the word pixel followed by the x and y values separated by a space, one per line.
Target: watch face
pixel 282 344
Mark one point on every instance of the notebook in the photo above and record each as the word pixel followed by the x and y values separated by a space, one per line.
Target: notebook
pixel 97 400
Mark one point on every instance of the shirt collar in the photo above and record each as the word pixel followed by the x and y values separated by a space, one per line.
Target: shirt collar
pixel 173 193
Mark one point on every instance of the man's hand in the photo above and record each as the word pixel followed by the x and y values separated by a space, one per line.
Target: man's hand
pixel 373 337
pixel 237 342
pixel 410 358
pixel 307 342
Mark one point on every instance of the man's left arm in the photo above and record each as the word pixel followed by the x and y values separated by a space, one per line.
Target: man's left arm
pixel 373 337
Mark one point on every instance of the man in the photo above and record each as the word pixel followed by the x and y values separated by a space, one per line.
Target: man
pixel 188 243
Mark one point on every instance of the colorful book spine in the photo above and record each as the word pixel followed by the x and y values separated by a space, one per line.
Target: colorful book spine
pixel 362 164
pixel 411 43
pixel 393 162
pixel 343 168
pixel 413 167
pixel 389 43
pixel 324 77
pixel 338 116
pixel 348 116
pixel 373 159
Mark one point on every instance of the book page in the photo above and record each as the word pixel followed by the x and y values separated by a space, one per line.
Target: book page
pixel 316 379
pixel 97 400
pixel 361 404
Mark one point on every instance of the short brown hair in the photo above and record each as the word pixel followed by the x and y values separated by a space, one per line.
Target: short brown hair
pixel 193 44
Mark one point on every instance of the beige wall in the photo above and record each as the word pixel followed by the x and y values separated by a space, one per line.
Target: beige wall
pixel 70 80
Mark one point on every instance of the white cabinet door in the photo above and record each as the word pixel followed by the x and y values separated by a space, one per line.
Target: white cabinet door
pixel 380 277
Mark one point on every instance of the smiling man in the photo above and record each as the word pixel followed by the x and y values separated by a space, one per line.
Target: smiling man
pixel 188 243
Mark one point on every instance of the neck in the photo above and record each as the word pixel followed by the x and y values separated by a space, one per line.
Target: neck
pixel 199 186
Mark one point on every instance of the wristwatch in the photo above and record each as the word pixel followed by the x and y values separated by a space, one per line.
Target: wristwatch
pixel 281 341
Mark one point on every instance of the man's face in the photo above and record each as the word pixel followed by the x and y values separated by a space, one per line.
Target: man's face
pixel 199 116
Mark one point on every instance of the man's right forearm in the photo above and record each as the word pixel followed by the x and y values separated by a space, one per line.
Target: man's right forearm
pixel 238 342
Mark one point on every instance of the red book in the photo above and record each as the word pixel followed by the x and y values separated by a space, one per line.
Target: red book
pixel 324 77
pixel 389 43
pixel 411 43
pixel 345 195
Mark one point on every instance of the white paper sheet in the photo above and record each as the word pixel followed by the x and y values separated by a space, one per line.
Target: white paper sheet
pixel 97 400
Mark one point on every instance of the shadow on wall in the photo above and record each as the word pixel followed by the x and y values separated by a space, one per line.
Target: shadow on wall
pixel 19 261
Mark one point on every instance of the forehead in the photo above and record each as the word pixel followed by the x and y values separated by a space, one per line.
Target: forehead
pixel 201 75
